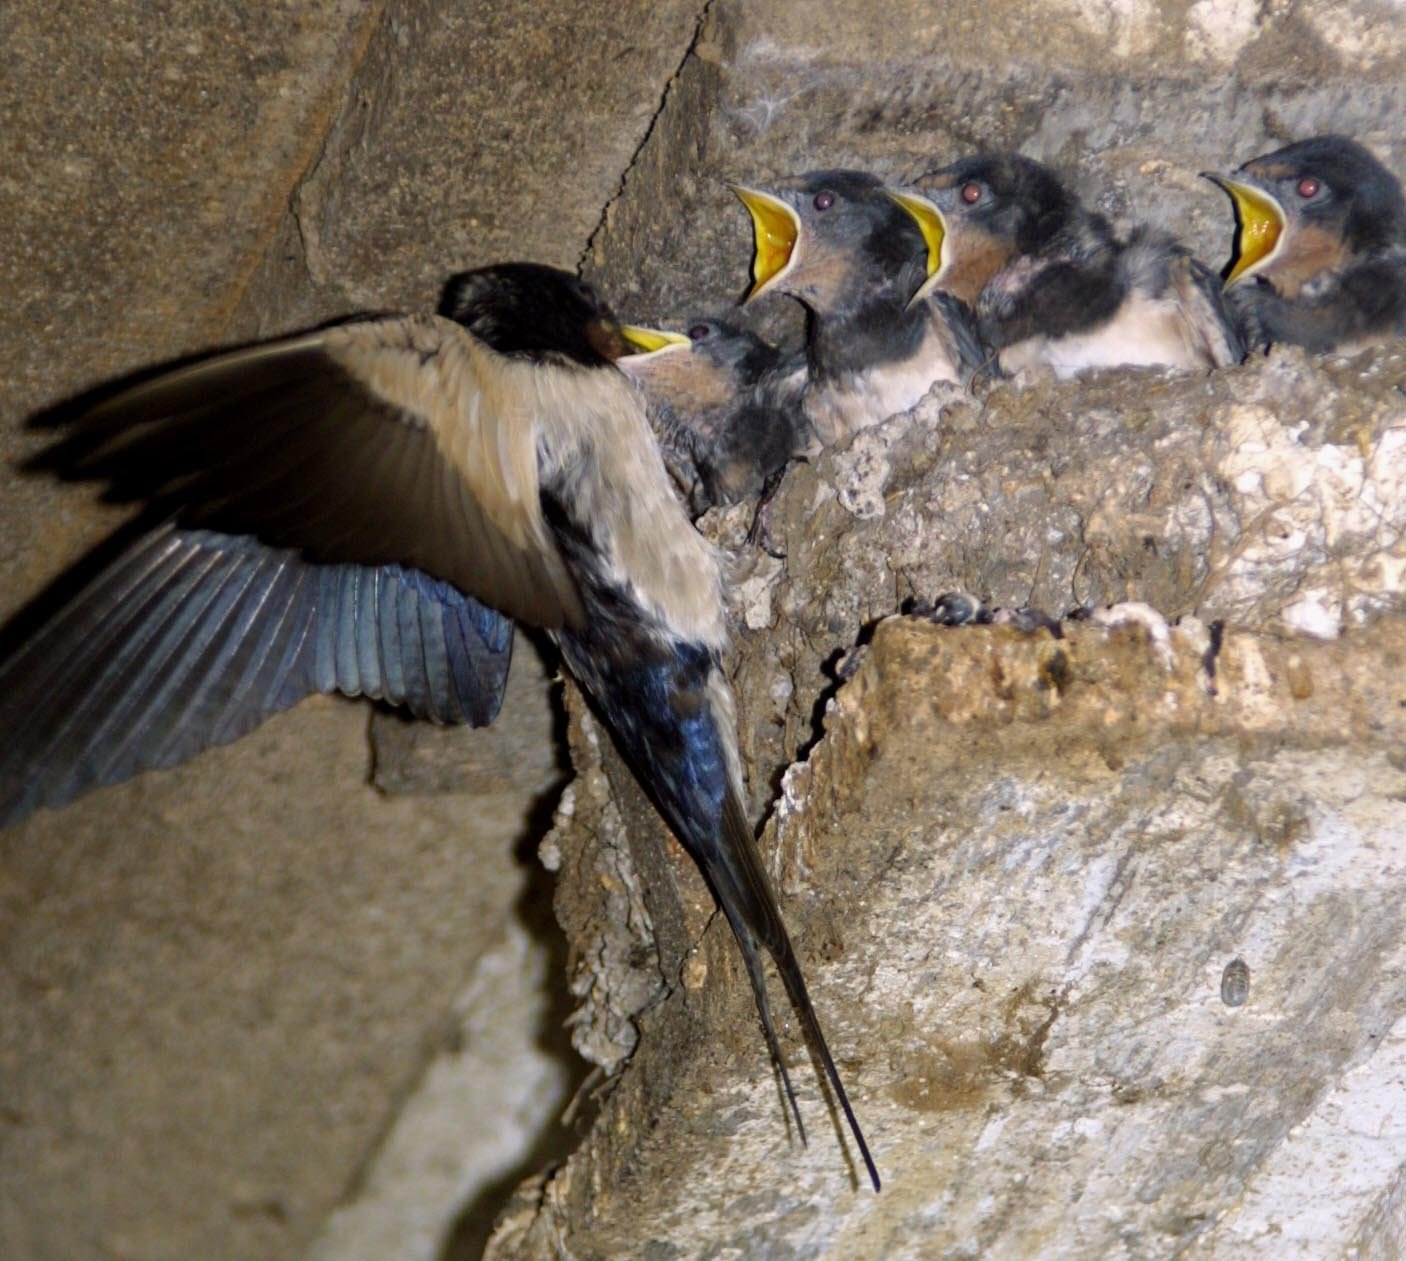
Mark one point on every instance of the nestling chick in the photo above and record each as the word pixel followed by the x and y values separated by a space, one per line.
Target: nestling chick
pixel 1052 285
pixel 835 242
pixel 1320 255
pixel 725 406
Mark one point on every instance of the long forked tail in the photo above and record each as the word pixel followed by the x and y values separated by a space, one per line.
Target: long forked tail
pixel 673 717
pixel 741 886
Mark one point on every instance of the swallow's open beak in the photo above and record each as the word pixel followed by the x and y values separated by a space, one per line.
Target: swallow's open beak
pixel 646 346
pixel 934 229
pixel 647 340
pixel 1260 220
pixel 777 229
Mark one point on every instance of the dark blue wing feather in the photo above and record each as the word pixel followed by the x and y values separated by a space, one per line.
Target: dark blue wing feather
pixel 190 638
pixel 962 324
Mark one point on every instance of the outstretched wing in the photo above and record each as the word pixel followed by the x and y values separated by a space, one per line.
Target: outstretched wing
pixel 402 441
pixel 190 638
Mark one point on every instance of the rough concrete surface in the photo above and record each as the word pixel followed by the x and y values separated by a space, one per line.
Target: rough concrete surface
pixel 1019 865
pixel 459 1136
pixel 1016 906
pixel 255 990
pixel 220 983
pixel 1022 864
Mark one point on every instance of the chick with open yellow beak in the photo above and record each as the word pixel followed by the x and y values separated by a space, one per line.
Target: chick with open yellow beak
pixel 1321 230
pixel 724 405
pixel 839 245
pixel 1259 227
pixel 1052 286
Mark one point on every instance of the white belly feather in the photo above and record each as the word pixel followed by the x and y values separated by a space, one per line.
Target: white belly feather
pixel 839 408
pixel 1146 332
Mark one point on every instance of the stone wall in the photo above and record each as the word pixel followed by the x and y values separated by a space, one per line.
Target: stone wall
pixel 220 985
pixel 1016 867
pixel 1019 866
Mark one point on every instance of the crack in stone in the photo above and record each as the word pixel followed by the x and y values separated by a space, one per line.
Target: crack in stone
pixel 698 24
pixel 309 246
pixel 340 102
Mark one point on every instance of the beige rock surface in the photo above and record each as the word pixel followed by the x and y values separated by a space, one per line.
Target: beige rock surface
pixel 1016 889
pixel 1022 865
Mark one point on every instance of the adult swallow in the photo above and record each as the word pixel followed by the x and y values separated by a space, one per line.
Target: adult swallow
pixel 724 404
pixel 838 244
pixel 489 453
pixel 1050 282
pixel 1320 252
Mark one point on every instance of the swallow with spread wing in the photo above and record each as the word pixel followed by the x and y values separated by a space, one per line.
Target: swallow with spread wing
pixel 347 510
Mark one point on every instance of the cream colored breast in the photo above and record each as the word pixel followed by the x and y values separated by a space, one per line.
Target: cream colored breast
pixel 1146 332
pixel 592 428
pixel 838 409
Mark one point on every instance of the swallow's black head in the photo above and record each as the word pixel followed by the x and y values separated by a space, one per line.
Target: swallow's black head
pixel 1333 183
pixel 983 212
pixel 738 350
pixel 835 240
pixel 532 311
pixel 1008 196
pixel 710 366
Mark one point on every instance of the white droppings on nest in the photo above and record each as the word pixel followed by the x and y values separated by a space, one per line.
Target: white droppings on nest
pixel 863 468
pixel 1260 702
pixel 1217 30
pixel 591 732
pixel 932 407
pixel 1136 613
pixel 1361 37
pixel 1340 504
pixel 795 787
pixel 1130 27
pixel 1316 614
pixel 752 589
pixel 862 472
pixel 1190 635
pixel 549 850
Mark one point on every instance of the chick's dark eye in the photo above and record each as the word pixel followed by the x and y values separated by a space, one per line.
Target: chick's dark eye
pixel 823 201
pixel 1308 187
pixel 971 193
pixel 698 332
